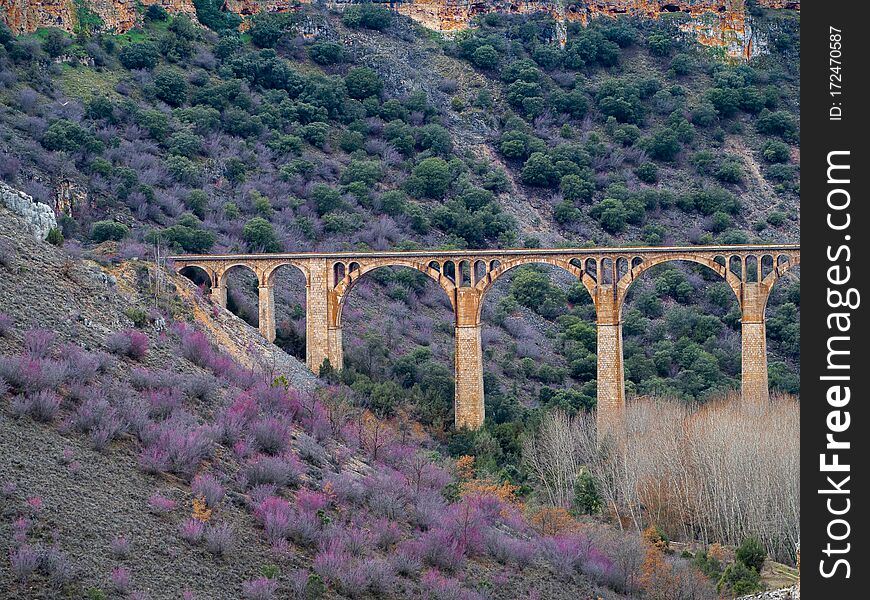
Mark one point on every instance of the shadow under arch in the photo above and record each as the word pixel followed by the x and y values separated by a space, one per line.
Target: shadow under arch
pixel 386 302
pixel 198 275
pixel 638 268
pixel 706 317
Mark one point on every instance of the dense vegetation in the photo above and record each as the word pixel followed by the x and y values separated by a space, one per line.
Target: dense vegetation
pixel 207 140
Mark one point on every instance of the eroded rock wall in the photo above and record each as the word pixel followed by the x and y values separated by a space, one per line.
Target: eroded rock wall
pixel 718 23
pixel 25 16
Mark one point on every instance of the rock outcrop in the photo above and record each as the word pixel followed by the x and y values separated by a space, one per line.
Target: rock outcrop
pixel 791 593
pixel 24 16
pixel 717 23
pixel 39 217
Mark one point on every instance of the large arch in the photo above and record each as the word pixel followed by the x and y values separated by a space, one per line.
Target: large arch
pixel 624 283
pixel 371 323
pixel 289 282
pixel 496 271
pixel 199 275
pixel 519 338
pixel 352 275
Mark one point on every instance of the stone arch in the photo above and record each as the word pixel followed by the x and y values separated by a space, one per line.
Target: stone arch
pixel 752 268
pixel 464 274
pixel 223 277
pixel 625 282
pixel 198 274
pixel 480 270
pixel 288 282
pixel 621 267
pixel 338 272
pixel 484 285
pixel 606 271
pixel 225 271
pixel 343 288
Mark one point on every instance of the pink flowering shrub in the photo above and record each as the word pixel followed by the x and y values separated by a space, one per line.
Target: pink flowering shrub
pixel 120 580
pixel 191 531
pixel 207 487
pixel 129 342
pixel 160 504
pixel 271 435
pixel 24 561
pixel 38 343
pixel 261 588
pixel 121 547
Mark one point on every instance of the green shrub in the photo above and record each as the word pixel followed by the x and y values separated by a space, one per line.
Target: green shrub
pixel 55 237
pixel 485 57
pixel 751 553
pixel 775 151
pixel 738 580
pixel 260 236
pixel 70 137
pixel 103 231
pixel 430 179
pixel 647 172
pixel 362 83
pixel 326 53
pixel 139 55
pixel 370 16
pixel 170 86
pixel 539 171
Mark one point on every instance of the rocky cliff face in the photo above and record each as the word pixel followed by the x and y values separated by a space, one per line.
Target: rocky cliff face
pixel 718 23
pixel 23 16
pixel 38 217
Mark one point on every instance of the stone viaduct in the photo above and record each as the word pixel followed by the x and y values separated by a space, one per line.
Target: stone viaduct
pixel 466 275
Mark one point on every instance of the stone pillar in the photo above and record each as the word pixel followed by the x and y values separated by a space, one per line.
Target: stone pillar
pixel 317 313
pixel 267 312
pixel 218 289
pixel 610 380
pixel 219 295
pixel 753 378
pixel 335 351
pixel 468 361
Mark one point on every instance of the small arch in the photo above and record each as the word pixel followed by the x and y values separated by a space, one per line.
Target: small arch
pixel 591 268
pixel 720 260
pixel 752 269
pixel 735 265
pixel 621 267
pixel 238 303
pixel 463 278
pixel 766 265
pixel 494 264
pixel 479 270
pixel 433 264
pixel 450 271
pixel 338 272
pixel 576 262
pixel 607 271
pixel 782 261
pixel 198 275
pixel 354 266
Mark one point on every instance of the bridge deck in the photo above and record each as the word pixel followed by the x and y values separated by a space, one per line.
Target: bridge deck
pixel 635 250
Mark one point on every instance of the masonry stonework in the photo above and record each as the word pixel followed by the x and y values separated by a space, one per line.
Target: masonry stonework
pixel 466 276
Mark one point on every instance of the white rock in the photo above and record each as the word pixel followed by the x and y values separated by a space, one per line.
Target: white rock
pixel 39 217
